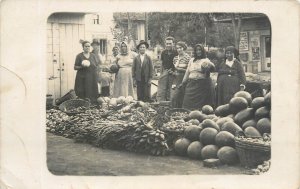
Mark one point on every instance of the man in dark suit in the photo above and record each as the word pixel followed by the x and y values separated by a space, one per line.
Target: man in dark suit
pixel 142 70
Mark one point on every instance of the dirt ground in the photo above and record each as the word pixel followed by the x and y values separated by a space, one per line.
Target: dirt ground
pixel 65 157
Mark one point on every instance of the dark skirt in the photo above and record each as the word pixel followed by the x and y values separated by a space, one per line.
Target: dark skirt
pixel 177 94
pixel 86 85
pixel 198 93
pixel 227 86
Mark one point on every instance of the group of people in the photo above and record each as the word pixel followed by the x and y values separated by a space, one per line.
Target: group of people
pixel 93 79
pixel 184 80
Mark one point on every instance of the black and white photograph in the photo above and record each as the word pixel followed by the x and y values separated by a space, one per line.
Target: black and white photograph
pixel 149 90
pixel 145 94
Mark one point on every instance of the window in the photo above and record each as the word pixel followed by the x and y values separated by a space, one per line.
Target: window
pixel 103 46
pixel 96 19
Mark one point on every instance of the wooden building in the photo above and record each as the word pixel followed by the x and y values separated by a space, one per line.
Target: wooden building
pixel 255 42
pixel 65 30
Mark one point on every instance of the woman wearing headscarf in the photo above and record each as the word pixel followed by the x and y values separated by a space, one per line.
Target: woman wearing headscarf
pixel 180 63
pixel 198 90
pixel 123 85
pixel 86 77
pixel 231 76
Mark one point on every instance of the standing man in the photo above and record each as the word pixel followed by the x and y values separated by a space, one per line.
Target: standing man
pixel 142 70
pixel 167 71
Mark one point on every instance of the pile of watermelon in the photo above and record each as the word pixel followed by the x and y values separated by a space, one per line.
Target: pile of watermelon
pixel 211 134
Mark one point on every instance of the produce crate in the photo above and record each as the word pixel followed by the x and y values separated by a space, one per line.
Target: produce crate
pixel 179 110
pixel 69 105
pixel 252 154
pixel 70 95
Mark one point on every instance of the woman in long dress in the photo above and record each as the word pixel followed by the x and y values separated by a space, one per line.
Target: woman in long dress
pixel 86 77
pixel 123 85
pixel 231 77
pixel 198 90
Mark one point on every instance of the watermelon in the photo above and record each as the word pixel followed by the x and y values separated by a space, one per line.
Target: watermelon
pixel 249 123
pixel 244 94
pixel 252 132
pixel 207 136
pixel 223 110
pixel 194 150
pixel 228 155
pixel 264 125
pixel 181 145
pixel 258 102
pixel 231 127
pixel 236 104
pixel 262 112
pixel 225 138
pixel 223 120
pixel 209 152
pixel 196 114
pixel 207 109
pixel 243 116
pixel 267 99
pixel 210 123
pixel 192 132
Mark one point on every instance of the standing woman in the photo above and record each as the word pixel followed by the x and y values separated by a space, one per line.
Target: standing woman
pixel 198 90
pixel 123 85
pixel 86 77
pixel 231 77
pixel 180 62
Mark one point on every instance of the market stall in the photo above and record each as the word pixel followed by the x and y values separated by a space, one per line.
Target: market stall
pixel 235 133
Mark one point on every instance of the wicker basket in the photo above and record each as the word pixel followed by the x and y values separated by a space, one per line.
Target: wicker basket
pixel 70 95
pixel 252 154
pixel 72 104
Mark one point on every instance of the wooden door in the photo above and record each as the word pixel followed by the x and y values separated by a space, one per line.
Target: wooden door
pixel 63 46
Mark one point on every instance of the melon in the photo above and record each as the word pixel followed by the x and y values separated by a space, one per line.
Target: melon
pixel 249 123
pixel 231 127
pixel 228 155
pixel 244 94
pixel 130 98
pixel 181 145
pixel 243 116
pixel 194 150
pixel 236 104
pixel 196 114
pixel 223 110
pixel 262 112
pixel 209 152
pixel 121 100
pixel 210 123
pixel 113 102
pixel 192 132
pixel 114 68
pixel 207 109
pixel 231 116
pixel 107 99
pixel 194 122
pixel 267 99
pixel 223 120
pixel 100 100
pixel 258 102
pixel 207 136
pixel 264 125
pixel 252 132
pixel 216 119
pixel 211 116
pixel 225 138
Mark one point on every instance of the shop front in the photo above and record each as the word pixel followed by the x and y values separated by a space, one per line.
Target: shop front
pixel 255 44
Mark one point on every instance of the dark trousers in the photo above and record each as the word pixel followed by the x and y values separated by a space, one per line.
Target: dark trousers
pixel 143 91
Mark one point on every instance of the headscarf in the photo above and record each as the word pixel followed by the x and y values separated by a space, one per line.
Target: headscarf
pixel 233 50
pixel 203 53
pixel 235 54
pixel 122 53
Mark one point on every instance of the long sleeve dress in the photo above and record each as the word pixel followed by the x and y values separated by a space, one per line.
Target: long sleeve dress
pixel 229 81
pixel 86 78
pixel 123 85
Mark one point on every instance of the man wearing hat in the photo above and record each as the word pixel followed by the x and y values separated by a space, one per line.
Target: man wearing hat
pixel 142 70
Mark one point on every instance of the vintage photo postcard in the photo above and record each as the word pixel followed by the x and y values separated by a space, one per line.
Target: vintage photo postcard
pixel 149 94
